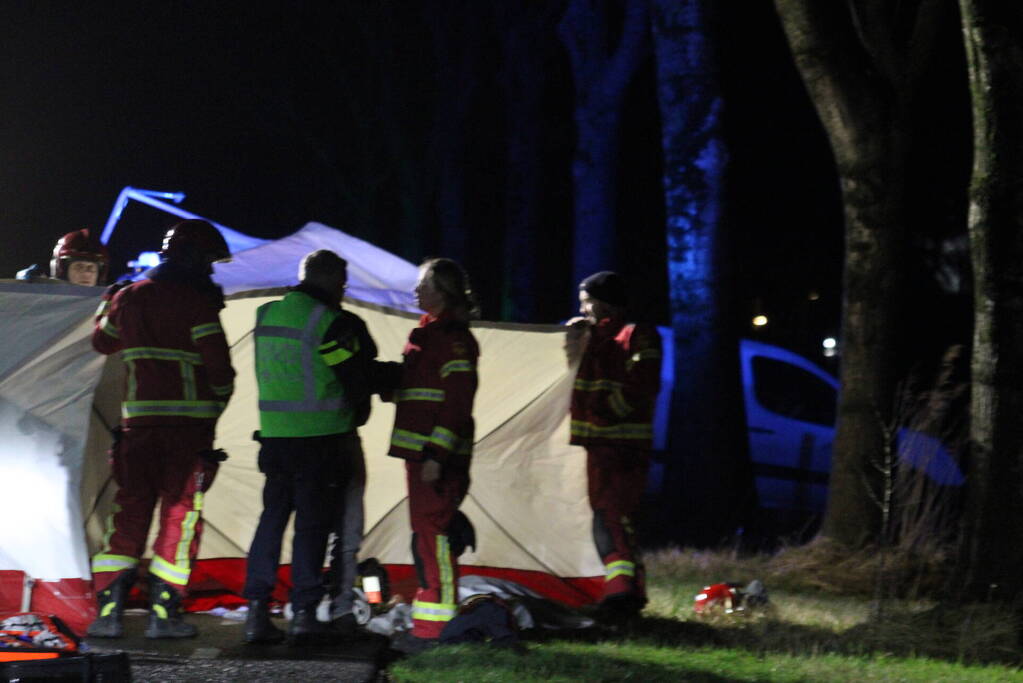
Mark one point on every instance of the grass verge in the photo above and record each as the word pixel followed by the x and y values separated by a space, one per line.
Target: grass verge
pixel 814 630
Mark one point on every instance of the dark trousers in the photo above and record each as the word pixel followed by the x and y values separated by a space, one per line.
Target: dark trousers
pixel 302 475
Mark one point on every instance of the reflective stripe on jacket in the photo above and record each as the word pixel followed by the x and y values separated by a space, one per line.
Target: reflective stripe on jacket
pixel 616 386
pixel 177 358
pixel 434 401
pixel 299 393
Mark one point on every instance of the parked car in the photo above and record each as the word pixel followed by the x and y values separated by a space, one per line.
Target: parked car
pixel 790 419
pixel 791 409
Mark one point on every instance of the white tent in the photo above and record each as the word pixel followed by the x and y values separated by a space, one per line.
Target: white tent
pixel 58 399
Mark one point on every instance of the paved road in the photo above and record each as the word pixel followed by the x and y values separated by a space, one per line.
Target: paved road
pixel 219 654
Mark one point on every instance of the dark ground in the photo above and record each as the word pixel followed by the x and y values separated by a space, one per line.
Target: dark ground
pixel 219 654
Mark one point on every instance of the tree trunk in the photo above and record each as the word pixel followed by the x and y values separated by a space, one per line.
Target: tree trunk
pixel 594 176
pixel 860 62
pixel 601 77
pixel 706 455
pixel 993 526
pixel 873 199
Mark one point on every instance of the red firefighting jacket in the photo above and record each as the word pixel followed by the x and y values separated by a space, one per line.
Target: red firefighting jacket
pixel 434 402
pixel 168 330
pixel 616 386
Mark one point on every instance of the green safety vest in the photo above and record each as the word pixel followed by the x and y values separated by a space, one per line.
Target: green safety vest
pixel 299 394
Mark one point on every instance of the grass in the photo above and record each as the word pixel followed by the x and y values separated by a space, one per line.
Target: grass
pixel 629 661
pixel 816 629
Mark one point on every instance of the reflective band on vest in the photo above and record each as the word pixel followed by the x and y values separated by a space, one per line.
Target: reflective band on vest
pixel 108 328
pixel 156 353
pixel 205 330
pixel 198 409
pixel 402 438
pixel 421 394
pixel 619 431
pixel 445 438
pixel 455 366
pixel 597 385
pixel 618 404
pixel 299 394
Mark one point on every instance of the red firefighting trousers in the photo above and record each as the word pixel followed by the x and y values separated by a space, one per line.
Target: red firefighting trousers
pixel 616 478
pixel 431 508
pixel 151 465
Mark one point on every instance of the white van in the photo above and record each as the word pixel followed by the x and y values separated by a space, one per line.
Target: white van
pixel 791 405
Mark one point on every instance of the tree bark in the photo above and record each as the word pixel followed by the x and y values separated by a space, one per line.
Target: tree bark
pixel 993 524
pixel 706 455
pixel 860 61
pixel 602 70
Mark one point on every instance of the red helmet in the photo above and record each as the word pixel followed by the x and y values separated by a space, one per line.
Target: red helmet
pixel 720 596
pixel 79 245
pixel 195 241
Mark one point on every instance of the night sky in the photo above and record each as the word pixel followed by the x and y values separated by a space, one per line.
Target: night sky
pixel 273 117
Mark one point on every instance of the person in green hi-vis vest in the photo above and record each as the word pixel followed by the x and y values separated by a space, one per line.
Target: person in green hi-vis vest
pixel 316 370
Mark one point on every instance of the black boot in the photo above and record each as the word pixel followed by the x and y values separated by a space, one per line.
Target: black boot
pixel 258 627
pixel 306 628
pixel 164 621
pixel 111 607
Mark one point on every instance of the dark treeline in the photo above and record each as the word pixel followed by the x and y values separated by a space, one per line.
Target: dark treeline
pixel 447 128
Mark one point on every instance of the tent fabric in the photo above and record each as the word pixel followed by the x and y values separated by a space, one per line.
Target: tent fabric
pixel 528 494
pixel 374 275
pixel 46 388
pixel 59 400
pixel 48 376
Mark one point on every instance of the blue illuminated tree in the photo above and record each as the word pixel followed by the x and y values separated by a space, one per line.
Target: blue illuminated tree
pixel 707 456
pixel 605 50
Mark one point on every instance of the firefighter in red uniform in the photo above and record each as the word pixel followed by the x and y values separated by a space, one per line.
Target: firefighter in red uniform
pixel 167 328
pixel 433 432
pixel 612 414
pixel 78 258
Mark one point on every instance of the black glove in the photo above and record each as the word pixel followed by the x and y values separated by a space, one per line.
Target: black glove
pixel 215 456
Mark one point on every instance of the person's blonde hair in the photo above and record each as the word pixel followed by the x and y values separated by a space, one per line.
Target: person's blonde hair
pixel 452 283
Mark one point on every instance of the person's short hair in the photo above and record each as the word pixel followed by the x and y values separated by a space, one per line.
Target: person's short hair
pixel 322 264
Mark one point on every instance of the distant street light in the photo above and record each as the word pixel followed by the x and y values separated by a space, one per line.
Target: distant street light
pixel 759 320
pixel 830 345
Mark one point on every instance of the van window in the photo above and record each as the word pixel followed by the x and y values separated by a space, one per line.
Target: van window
pixel 793 392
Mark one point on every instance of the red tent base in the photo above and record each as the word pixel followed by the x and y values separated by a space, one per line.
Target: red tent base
pixel 70 599
pixel 219 583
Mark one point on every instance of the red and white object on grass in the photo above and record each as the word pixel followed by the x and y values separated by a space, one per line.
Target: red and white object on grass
pixel 723 597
